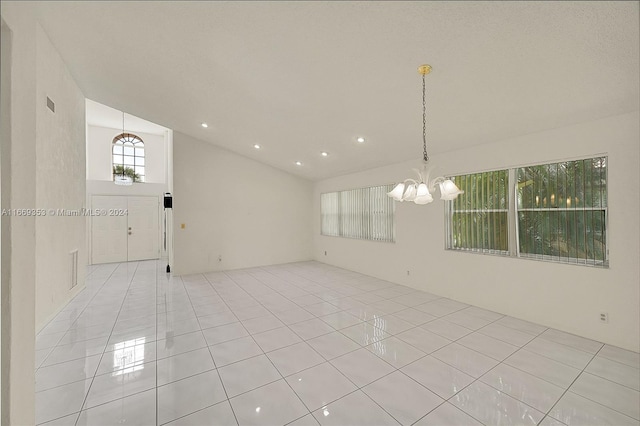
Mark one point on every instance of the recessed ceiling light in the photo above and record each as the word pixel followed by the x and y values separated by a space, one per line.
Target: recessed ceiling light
pixel 298 163
pixel 205 125
pixel 256 146
pixel 360 139
pixel 324 153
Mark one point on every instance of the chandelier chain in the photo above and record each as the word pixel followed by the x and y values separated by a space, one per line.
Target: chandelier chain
pixel 419 191
pixel 425 156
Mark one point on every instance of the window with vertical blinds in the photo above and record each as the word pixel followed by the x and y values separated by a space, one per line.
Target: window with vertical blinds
pixel 364 213
pixel 478 218
pixel 562 211
pixel 330 211
pixel 558 212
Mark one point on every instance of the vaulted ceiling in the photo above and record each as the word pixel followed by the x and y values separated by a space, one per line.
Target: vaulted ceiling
pixel 299 78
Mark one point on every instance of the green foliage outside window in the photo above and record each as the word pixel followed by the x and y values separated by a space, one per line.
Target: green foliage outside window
pixel 119 170
pixel 562 210
pixel 559 212
pixel 479 215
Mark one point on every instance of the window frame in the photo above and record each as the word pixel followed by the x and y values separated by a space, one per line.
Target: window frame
pixel 605 222
pixel 449 213
pixel 370 208
pixel 513 216
pixel 120 140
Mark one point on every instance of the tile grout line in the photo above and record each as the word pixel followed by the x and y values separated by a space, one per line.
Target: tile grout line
pixel 157 285
pixel 83 309
pixel 210 355
pixel 75 320
pixel 329 362
pixel 533 336
pixel 477 379
pixel 339 330
pixel 571 384
pixel 589 399
pixel 228 400
pixel 107 344
pixel 263 352
pixel 261 276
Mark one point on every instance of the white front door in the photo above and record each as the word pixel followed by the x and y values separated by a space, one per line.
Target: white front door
pixel 118 237
pixel 108 232
pixel 143 228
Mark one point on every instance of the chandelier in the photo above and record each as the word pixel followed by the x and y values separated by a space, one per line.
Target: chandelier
pixel 419 191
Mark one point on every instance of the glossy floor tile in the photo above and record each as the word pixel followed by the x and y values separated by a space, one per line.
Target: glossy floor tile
pixel 362 367
pixel 402 397
pixel 355 409
pixel 311 344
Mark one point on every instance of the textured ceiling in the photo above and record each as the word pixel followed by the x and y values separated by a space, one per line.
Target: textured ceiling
pixel 304 77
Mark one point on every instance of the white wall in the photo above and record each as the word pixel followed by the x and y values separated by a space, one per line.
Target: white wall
pixel 18 240
pixel 60 181
pixel 5 137
pixel 99 166
pixel 45 155
pixel 5 192
pixel 248 213
pixel 566 297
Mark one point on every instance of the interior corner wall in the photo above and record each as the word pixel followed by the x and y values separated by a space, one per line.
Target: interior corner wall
pixel 235 209
pixel 566 297
pixel 60 181
pixel 18 241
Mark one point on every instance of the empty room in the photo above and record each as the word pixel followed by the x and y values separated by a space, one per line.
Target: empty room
pixel 320 213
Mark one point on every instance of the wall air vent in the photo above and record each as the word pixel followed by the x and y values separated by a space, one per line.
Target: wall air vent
pixel 51 105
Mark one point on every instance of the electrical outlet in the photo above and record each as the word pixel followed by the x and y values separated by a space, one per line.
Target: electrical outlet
pixel 604 317
pixel 325 252
pixel 408 273
pixel 220 258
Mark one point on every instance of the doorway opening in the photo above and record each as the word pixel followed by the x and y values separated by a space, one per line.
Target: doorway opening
pixel 127 222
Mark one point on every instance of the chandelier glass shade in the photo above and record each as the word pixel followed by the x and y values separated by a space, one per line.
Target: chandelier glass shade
pixel 420 191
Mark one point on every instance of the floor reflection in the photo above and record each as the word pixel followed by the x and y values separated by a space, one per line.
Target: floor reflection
pixel 128 356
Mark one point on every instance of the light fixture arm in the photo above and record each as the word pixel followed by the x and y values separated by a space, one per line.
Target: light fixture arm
pixel 437 181
pixel 423 176
pixel 412 181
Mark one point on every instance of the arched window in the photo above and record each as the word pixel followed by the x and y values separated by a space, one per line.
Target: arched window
pixel 128 156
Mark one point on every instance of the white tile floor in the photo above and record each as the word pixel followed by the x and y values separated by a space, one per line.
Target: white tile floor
pixel 309 344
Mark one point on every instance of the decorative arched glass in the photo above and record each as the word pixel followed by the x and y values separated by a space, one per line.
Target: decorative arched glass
pixel 128 156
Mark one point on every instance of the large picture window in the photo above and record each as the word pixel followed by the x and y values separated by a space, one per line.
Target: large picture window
pixel 558 212
pixel 364 213
pixel 562 211
pixel 128 156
